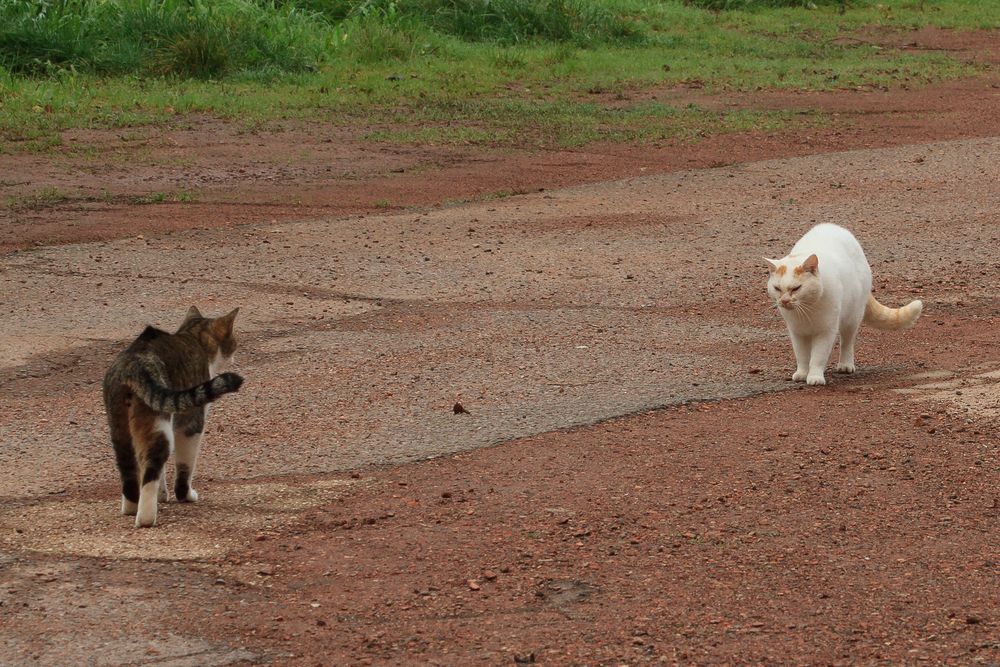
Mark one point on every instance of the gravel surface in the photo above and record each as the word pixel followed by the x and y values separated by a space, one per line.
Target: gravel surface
pixel 855 523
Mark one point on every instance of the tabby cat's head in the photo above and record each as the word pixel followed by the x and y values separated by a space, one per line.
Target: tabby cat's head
pixel 794 284
pixel 215 335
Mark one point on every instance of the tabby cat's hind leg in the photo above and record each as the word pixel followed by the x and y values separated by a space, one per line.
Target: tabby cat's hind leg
pixel 153 445
pixel 127 468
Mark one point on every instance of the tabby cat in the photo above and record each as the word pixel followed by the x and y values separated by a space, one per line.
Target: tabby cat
pixel 156 395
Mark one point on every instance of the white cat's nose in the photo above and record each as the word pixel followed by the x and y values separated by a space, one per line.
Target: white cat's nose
pixel 787 303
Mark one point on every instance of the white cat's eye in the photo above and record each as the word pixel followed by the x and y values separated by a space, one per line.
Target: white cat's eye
pixel 795 289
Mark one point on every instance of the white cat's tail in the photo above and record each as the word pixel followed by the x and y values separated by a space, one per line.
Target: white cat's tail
pixel 883 317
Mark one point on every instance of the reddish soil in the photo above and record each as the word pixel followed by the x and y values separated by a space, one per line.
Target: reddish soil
pixel 749 532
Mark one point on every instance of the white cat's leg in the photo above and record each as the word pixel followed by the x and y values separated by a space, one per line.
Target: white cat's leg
pixel 802 346
pixel 845 359
pixel 819 355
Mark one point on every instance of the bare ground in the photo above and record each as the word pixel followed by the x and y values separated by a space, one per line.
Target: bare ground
pixel 199 173
pixel 611 498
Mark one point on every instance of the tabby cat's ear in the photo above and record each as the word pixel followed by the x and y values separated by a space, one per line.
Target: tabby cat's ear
pixel 223 326
pixel 771 264
pixel 192 313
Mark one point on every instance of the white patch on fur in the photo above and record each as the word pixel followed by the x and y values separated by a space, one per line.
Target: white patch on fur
pixel 166 427
pixel 128 507
pixel 219 364
pixel 146 514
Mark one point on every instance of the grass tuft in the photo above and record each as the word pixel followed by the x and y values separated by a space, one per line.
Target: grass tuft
pixel 186 38
pixel 753 5
pixel 580 22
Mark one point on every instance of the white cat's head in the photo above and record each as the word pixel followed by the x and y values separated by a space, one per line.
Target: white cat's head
pixel 794 283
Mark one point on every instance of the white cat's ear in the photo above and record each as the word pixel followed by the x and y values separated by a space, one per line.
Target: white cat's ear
pixel 771 264
pixel 810 265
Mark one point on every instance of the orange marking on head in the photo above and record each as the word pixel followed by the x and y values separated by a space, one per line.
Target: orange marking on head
pixel 808 266
pixel 780 271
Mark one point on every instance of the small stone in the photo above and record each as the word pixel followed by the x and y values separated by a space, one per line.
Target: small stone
pixel 489 575
pixel 473 584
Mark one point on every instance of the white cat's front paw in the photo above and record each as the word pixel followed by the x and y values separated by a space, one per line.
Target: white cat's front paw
pixel 799 376
pixel 815 378
pixel 845 368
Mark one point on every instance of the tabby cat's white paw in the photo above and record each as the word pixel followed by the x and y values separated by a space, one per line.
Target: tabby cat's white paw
pixel 145 516
pixel 192 497
pixel 128 507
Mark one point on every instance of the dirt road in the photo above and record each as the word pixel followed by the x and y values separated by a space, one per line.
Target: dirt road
pixel 577 520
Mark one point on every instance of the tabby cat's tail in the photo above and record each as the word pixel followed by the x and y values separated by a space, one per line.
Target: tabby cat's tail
pixel 883 317
pixel 163 399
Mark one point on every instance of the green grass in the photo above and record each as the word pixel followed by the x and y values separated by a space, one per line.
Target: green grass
pixel 45 197
pixel 161 197
pixel 49 197
pixel 568 124
pixel 508 72
pixel 187 38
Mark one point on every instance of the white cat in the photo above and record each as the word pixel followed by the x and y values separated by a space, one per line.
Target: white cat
pixel 822 288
